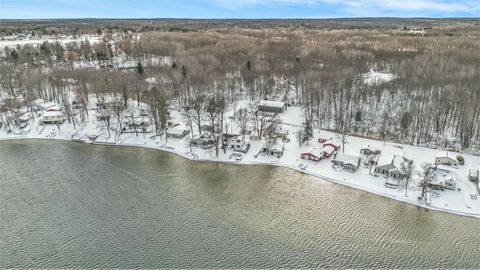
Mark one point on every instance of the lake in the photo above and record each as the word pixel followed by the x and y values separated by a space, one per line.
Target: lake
pixel 65 204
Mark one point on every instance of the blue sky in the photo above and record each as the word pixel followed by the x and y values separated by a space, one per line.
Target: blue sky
pixel 26 9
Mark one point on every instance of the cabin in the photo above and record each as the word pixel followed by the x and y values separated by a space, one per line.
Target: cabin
pixel 349 163
pixel 327 151
pixel 474 175
pixel 394 169
pixel 311 154
pixel 177 132
pixel 370 151
pixel 52 117
pixel 235 142
pixel 202 140
pixel 272 106
pixel 446 158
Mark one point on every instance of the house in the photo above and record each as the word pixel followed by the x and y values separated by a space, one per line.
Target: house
pixel 22 121
pixel 474 175
pixel 332 143
pixel 235 142
pixel 202 140
pixel 177 132
pixel 272 106
pixel 323 140
pixel 311 154
pixel 52 117
pixel 370 151
pixel 396 168
pixel 347 162
pixel 443 179
pixel 274 149
pixel 446 158
pixel 327 151
pixel 50 106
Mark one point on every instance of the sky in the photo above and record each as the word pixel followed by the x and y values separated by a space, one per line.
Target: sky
pixel 41 9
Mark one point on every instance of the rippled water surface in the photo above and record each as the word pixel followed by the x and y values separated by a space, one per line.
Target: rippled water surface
pixel 74 205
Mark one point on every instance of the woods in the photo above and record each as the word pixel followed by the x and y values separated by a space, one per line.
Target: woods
pixel 385 83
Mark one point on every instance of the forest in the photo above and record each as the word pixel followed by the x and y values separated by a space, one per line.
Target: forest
pixel 407 81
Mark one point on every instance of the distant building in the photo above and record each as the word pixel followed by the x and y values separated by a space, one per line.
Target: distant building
pixel 446 158
pixel 347 162
pixel 272 106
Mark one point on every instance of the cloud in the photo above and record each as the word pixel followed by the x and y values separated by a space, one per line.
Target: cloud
pixel 377 7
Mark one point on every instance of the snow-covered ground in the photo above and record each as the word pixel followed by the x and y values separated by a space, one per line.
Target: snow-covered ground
pixel 35 41
pixel 460 201
pixel 375 77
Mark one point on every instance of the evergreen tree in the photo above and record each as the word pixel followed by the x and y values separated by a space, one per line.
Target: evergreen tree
pixel 140 69
pixel 307 132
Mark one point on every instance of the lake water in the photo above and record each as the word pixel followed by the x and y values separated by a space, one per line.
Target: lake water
pixel 74 205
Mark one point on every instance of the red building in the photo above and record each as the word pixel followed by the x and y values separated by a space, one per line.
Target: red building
pixel 310 155
pixel 328 151
pixel 333 144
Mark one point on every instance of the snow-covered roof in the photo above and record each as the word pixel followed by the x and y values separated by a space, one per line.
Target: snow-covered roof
pixel 276 147
pixel 178 130
pixel 274 104
pixel 25 117
pixel 346 158
pixel 310 151
pixel 49 104
pixel 328 149
pixel 335 143
pixel 52 113
pixel 445 154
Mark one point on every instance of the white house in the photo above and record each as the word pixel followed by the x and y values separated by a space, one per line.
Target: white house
pixel 52 117
pixel 177 132
pixel 396 167
pixel 235 142
pixel 347 162
pixel 446 158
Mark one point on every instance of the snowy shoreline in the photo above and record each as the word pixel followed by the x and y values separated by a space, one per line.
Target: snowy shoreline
pixel 274 164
